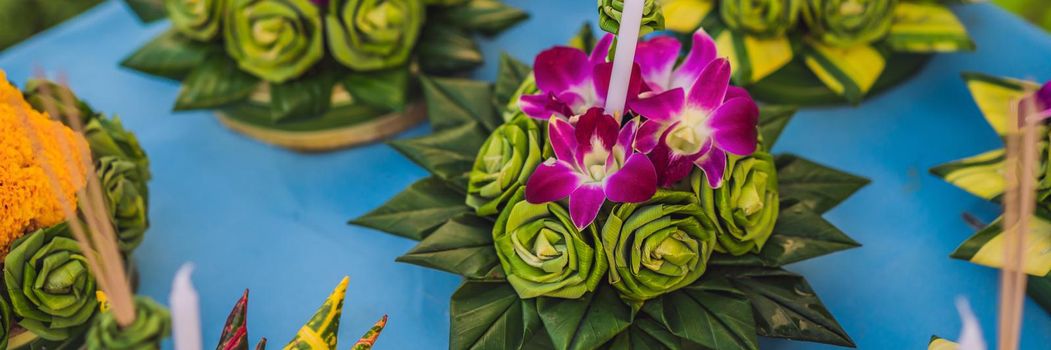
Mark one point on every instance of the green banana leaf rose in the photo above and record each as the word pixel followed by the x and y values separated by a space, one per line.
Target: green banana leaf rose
pixel 503 165
pixel 762 18
pixel 124 190
pixel 276 40
pixel 847 23
pixel 152 324
pixel 610 11
pixel 746 205
pixel 49 284
pixel 5 323
pixel 657 246
pixel 47 96
pixel 197 19
pixel 543 253
pixel 373 34
pixel 107 137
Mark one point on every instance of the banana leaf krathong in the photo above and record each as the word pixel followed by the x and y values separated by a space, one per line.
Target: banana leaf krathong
pixel 671 288
pixel 982 175
pixel 313 75
pixel 815 52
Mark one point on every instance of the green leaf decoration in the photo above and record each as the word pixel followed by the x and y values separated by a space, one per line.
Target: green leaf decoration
pixel 152 324
pixel 981 175
pixel 819 187
pixel 147 10
pixel 711 313
pixel 488 17
pixel 489 315
pixel 926 28
pixel 169 55
pixel 986 247
pixel 584 39
pixel 418 210
pixel 367 35
pixel 387 89
pixel 304 97
pixel 463 245
pixel 801 234
pixel 786 307
pixel 645 334
pixel 1039 288
pixel 321 332
pixel 452 102
pixel 585 323
pixel 215 82
pixel 772 121
pixel 510 76
pixel 449 154
pixel 609 12
pixel 446 49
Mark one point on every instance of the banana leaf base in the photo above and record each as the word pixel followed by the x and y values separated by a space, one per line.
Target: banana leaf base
pixel 795 84
pixel 338 128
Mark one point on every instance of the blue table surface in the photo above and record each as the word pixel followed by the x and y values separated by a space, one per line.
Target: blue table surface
pixel 254 216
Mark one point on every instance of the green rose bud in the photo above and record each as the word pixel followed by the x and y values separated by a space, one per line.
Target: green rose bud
pixel 503 165
pixel 528 87
pixel 373 34
pixel 276 40
pixel 657 246
pixel 5 323
pixel 124 190
pixel 107 137
pixel 46 96
pixel 49 284
pixel 762 18
pixel 543 253
pixel 847 23
pixel 197 19
pixel 609 12
pixel 152 324
pixel 746 205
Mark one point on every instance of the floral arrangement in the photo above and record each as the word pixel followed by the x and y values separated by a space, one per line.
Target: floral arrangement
pixel 577 229
pixel 982 175
pixel 807 52
pixel 50 300
pixel 321 332
pixel 316 75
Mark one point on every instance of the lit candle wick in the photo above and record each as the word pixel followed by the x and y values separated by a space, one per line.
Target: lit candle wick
pixel 624 57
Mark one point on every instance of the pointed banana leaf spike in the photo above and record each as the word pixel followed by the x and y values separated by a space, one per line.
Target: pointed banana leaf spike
pixel 369 339
pixel 321 332
pixel 235 332
pixel 261 345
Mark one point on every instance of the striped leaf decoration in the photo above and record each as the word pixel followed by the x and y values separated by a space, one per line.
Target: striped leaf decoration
pixel 322 331
pixel 849 72
pixel 986 247
pixel 938 343
pixel 369 339
pixel 981 175
pixel 995 96
pixel 685 16
pixel 753 58
pixel 927 28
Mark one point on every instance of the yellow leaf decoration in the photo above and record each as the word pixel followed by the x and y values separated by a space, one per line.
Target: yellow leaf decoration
pixel 981 175
pixel 942 344
pixel 322 331
pixel 849 72
pixel 1037 253
pixel 927 28
pixel 996 97
pixel 685 16
pixel 753 58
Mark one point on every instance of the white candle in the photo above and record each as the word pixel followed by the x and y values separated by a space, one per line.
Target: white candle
pixel 624 57
pixel 186 314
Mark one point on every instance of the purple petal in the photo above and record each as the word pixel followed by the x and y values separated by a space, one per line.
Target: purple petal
pixel 594 125
pixel 671 167
pixel 561 68
pixel 543 106
pixel 552 180
pixel 734 126
pixel 649 135
pixel 656 58
pixel 713 164
pixel 626 138
pixel 702 52
pixel 733 92
pixel 635 182
pixel 602 74
pixel 563 138
pixel 585 203
pixel 710 89
pixel 601 50
pixel 663 106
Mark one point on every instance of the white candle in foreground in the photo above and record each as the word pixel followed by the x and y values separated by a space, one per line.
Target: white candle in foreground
pixel 186 314
pixel 624 57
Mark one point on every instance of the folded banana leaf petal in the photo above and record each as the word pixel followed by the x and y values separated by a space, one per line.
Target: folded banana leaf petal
pixel 235 331
pixel 147 10
pixel 152 324
pixel 368 340
pixel 987 246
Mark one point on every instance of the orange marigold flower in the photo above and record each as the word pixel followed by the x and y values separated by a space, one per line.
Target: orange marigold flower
pixel 26 200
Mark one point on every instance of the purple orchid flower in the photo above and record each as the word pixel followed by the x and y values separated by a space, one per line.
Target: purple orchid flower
pixel 594 162
pixel 699 117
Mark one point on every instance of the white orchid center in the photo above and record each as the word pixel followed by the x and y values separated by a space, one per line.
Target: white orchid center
pixel 691 133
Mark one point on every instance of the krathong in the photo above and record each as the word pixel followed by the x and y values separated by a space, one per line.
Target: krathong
pixel 999 100
pixel 315 75
pixel 666 224
pixel 807 52
pixel 50 300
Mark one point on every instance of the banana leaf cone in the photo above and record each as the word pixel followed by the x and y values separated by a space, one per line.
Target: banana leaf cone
pixel 235 332
pixel 321 332
pixel 368 340
pixel 152 324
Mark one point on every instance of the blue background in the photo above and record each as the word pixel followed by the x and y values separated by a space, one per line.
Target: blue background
pixel 254 216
